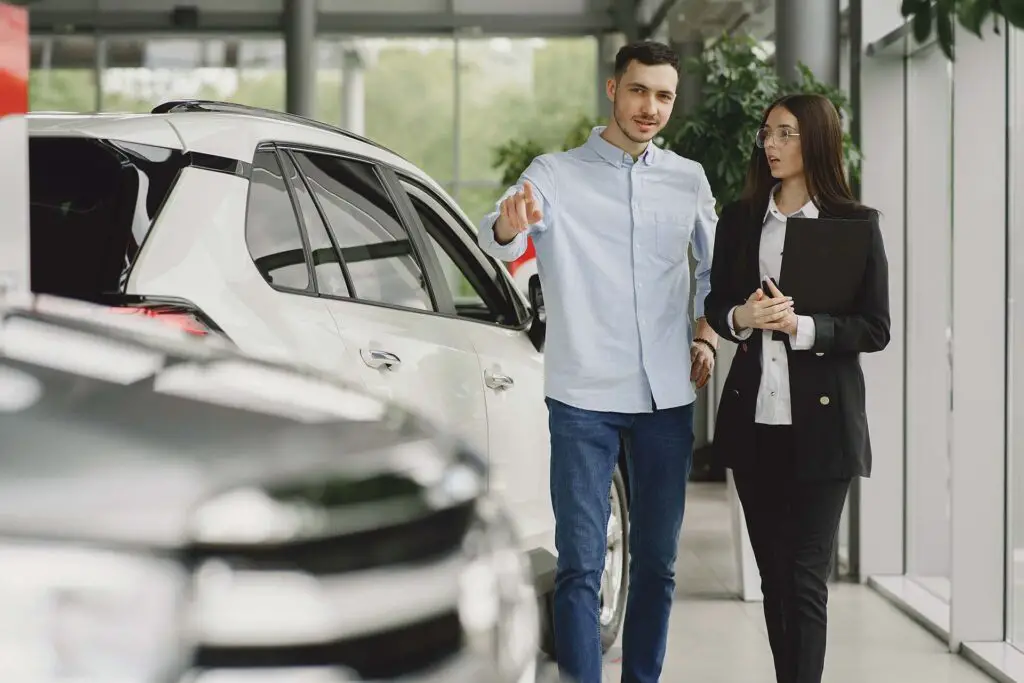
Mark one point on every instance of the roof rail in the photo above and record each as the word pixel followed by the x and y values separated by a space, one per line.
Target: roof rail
pixel 176 106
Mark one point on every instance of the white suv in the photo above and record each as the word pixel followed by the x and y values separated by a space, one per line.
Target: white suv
pixel 302 242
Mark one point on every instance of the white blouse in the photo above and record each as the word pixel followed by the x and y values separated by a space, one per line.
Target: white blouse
pixel 773 399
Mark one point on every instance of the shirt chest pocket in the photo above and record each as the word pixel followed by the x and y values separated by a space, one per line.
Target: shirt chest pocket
pixel 672 234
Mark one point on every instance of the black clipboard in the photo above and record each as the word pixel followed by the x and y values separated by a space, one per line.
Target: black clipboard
pixel 823 263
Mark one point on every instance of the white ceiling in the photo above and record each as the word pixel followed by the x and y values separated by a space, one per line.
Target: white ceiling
pixel 710 17
pixel 387 17
pixel 353 17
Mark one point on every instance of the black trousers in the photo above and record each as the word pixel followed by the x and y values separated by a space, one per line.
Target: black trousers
pixel 792 525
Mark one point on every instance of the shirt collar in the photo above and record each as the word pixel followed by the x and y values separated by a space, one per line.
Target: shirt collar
pixel 615 156
pixel 808 210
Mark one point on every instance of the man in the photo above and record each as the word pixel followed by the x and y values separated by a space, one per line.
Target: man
pixel 612 222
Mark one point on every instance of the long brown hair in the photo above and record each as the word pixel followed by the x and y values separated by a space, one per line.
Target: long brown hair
pixel 821 143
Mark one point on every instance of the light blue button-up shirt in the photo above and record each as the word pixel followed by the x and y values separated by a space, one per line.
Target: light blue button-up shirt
pixel 612 255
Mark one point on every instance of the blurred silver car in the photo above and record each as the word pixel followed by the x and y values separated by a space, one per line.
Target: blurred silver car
pixel 173 511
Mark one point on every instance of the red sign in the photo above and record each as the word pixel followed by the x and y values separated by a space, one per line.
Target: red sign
pixel 528 255
pixel 14 61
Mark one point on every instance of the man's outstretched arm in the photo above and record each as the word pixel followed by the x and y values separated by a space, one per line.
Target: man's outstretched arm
pixel 523 208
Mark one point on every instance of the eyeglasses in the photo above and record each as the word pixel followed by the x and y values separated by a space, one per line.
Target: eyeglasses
pixel 781 136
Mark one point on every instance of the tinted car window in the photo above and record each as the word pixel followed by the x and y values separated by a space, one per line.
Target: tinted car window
pixel 272 228
pixel 478 288
pixel 330 277
pixel 91 204
pixel 374 244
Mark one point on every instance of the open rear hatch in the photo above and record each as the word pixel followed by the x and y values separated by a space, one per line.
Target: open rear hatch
pixel 92 204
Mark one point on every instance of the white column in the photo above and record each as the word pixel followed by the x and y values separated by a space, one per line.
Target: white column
pixel 1015 340
pixel 807 31
pixel 978 350
pixel 608 47
pixel 353 92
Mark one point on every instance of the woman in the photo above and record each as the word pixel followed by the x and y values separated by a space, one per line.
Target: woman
pixel 791 421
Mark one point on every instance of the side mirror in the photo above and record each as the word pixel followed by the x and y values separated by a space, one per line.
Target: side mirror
pixel 536 295
pixel 538 329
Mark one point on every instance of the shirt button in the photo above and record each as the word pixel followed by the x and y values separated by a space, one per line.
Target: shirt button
pixel 824 400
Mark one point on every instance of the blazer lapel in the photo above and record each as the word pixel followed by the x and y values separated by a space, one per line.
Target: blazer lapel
pixel 753 269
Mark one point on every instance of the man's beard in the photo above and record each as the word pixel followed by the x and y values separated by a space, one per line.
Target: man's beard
pixel 625 130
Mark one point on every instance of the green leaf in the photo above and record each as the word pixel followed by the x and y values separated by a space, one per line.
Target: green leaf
pixel 1013 10
pixel 739 84
pixel 944 26
pixel 909 7
pixel 922 23
pixel 972 14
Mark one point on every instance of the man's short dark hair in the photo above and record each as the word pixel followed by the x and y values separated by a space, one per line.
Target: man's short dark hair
pixel 648 53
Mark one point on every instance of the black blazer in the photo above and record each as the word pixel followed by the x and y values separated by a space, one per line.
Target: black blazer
pixel 830 426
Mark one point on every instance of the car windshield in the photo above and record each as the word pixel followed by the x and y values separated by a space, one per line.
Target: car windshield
pixel 92 203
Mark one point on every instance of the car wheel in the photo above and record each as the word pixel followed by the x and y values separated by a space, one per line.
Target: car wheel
pixel 614 579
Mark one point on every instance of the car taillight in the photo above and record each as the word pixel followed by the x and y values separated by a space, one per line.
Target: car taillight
pixel 176 316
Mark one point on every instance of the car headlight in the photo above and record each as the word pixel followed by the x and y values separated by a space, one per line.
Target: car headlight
pixel 88 616
pixel 498 603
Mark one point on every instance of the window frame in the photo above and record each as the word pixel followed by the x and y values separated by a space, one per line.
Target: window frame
pixel 441 303
pixel 468 238
pixel 311 289
pixel 310 253
pixel 392 180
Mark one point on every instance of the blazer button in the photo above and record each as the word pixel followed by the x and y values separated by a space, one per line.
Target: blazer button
pixel 819 354
pixel 824 400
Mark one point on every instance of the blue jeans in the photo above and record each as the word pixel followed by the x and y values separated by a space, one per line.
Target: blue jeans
pixel 584 452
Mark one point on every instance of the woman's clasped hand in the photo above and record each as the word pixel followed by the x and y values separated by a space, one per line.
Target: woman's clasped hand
pixel 773 311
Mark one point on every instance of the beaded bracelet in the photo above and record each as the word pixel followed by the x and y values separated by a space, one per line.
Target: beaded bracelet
pixel 705 342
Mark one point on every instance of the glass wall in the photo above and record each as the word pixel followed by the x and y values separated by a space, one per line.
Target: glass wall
pixel 63 74
pixel 929 317
pixel 445 104
pixel 954 227
pixel 1015 346
pixel 521 90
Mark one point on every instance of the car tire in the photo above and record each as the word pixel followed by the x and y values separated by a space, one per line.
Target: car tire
pixel 614 579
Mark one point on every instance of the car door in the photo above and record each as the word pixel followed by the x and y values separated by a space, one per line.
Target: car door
pixel 494 318
pixel 386 314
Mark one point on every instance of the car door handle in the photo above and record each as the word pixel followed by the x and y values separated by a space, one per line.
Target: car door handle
pixel 497 381
pixel 380 359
